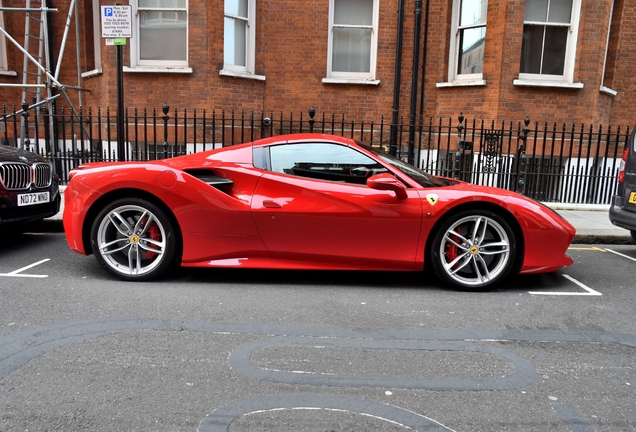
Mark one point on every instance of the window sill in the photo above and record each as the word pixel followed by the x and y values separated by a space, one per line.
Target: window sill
pixel 350 81
pixel 241 74
pixel 542 83
pixel 91 73
pixel 8 73
pixel 608 91
pixel 462 83
pixel 157 69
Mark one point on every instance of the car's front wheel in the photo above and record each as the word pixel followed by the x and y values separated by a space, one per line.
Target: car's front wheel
pixel 473 249
pixel 633 233
pixel 133 239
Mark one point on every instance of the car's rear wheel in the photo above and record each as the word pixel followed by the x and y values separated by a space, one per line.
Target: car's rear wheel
pixel 473 249
pixel 633 233
pixel 133 239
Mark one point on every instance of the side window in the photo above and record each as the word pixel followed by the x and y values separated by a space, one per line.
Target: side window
pixel 353 39
pixel 323 161
pixel 160 39
pixel 550 30
pixel 469 40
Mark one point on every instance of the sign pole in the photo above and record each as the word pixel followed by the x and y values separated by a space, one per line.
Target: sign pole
pixel 121 147
pixel 116 28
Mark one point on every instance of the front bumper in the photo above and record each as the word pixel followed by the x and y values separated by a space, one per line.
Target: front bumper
pixel 11 213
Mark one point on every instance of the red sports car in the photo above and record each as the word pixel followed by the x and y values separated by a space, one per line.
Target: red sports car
pixel 306 201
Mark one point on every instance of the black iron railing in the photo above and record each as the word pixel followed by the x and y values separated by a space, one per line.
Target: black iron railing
pixel 548 162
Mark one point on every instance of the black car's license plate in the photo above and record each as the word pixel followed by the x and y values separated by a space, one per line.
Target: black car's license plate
pixel 33 198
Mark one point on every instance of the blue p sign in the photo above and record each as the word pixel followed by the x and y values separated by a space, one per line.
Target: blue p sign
pixel 108 12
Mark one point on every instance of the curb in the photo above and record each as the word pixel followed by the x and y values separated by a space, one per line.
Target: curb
pixel 602 237
pixel 577 207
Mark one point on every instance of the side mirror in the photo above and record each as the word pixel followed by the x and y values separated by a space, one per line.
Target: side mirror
pixel 386 181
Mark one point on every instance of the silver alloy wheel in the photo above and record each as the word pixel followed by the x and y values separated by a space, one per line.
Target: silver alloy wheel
pixel 131 240
pixel 474 250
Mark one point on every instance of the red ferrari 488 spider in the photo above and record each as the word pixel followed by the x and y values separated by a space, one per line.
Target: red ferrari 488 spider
pixel 306 201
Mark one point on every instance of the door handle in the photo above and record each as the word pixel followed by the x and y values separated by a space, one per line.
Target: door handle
pixel 271 204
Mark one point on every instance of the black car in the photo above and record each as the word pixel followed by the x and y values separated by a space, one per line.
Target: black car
pixel 29 190
pixel 622 212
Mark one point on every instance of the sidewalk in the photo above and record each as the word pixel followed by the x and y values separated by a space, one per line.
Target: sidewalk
pixel 590 220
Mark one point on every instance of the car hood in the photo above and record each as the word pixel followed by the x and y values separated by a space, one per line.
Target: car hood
pixel 12 154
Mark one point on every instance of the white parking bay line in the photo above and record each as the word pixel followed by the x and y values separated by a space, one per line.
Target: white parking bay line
pixel 620 254
pixel 16 273
pixel 590 291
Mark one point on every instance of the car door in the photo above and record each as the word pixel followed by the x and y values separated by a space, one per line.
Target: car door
pixel 313 204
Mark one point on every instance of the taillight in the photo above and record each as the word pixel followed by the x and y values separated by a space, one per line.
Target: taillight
pixel 621 172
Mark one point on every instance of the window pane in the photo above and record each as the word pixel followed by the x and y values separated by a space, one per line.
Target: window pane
pixel 531 49
pixel 351 50
pixel 353 12
pixel 236 7
pixel 169 4
pixel 473 12
pixel 234 43
pixel 560 11
pixel 540 58
pixel 536 10
pixel 554 52
pixel 162 35
pixel 471 56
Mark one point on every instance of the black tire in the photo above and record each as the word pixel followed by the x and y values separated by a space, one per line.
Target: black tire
pixel 473 250
pixel 633 233
pixel 134 240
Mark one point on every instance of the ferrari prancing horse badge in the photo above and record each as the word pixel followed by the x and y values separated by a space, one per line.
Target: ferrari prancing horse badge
pixel 432 199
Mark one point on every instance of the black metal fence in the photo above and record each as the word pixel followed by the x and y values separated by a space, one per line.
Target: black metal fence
pixel 550 163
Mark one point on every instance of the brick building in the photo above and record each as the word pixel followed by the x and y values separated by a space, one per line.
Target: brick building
pixel 553 60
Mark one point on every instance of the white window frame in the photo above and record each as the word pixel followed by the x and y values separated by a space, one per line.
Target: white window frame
pixel 354 77
pixel 570 53
pixel 138 65
pixel 603 88
pixel 97 40
pixel 247 71
pixel 455 49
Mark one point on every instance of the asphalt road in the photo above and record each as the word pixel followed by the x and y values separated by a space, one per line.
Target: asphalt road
pixel 239 350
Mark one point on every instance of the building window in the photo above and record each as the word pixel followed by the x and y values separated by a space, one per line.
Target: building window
pixel 239 38
pixel 611 52
pixel 469 40
pixel 91 61
pixel 549 40
pixel 160 38
pixel 353 35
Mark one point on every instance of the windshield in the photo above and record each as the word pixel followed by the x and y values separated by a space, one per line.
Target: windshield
pixel 421 177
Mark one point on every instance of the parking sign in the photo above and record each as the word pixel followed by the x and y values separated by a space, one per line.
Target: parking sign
pixel 116 22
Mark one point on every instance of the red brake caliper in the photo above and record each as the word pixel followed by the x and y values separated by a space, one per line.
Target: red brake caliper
pixel 155 234
pixel 450 250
